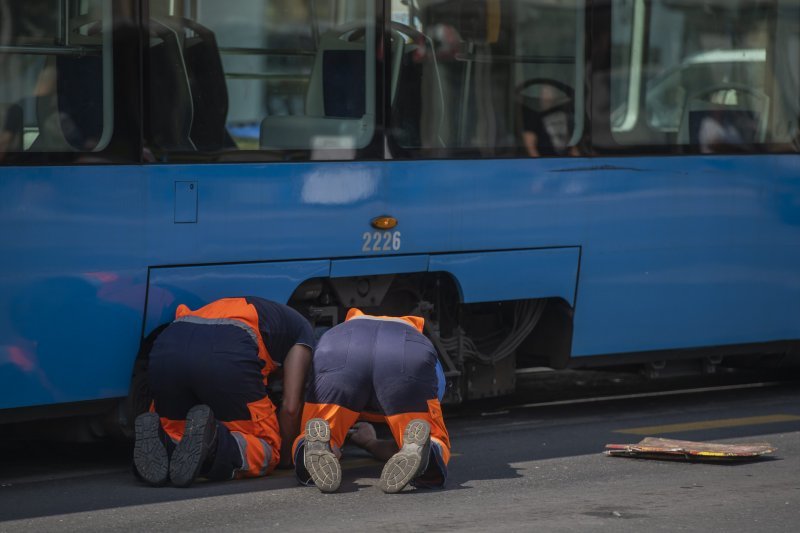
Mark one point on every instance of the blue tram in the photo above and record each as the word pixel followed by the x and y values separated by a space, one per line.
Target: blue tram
pixel 549 183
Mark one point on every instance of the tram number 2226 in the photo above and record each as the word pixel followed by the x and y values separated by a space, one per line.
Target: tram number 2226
pixel 377 241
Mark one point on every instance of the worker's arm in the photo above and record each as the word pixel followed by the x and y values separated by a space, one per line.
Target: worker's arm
pixel 531 141
pixel 295 369
pixel 366 438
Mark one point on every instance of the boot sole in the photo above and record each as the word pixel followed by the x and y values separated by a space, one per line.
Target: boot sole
pixel 410 461
pixel 150 456
pixel 320 461
pixel 189 454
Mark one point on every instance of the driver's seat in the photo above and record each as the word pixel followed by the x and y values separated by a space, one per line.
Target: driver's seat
pixel 336 112
pixel 337 85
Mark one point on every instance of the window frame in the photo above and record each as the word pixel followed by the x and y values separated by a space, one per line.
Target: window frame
pixel 372 151
pixel 124 144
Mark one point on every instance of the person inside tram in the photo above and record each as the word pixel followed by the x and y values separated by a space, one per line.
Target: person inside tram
pixel 11 134
pixel 546 131
pixel 796 136
pixel 211 416
pixel 385 369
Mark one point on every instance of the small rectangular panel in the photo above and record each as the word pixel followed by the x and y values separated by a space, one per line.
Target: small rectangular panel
pixel 185 202
pixel 513 275
pixel 196 286
pixel 375 266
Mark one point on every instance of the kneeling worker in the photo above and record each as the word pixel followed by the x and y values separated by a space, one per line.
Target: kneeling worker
pixel 211 416
pixel 375 365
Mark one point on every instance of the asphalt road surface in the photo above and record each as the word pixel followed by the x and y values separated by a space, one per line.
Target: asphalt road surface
pixel 517 466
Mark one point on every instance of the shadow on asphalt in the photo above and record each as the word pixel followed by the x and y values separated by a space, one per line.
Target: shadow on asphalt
pixel 44 478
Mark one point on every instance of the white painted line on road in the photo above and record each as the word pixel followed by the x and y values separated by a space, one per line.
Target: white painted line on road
pixel 598 399
pixel 709 424
pixel 496 413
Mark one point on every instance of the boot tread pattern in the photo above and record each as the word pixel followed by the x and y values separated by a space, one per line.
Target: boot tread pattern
pixel 149 453
pixel 320 461
pixel 410 461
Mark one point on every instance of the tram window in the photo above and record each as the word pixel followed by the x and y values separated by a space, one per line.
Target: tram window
pixel 704 76
pixel 486 77
pixel 276 79
pixel 55 76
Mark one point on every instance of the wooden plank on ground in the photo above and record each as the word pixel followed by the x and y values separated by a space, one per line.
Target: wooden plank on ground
pixel 657 448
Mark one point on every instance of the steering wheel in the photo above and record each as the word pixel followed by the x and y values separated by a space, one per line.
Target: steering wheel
pixel 706 92
pixel 567 106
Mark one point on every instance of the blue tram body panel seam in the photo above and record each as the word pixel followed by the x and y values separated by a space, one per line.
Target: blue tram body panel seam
pixel 537 273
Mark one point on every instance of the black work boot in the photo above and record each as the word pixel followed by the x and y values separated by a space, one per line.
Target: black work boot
pixel 318 458
pixel 151 450
pixel 412 459
pixel 199 440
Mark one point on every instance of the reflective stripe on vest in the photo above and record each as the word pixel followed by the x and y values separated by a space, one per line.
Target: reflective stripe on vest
pixel 417 322
pixel 220 322
pixel 231 311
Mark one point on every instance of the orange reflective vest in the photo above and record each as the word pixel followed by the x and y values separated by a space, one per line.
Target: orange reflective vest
pixel 416 321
